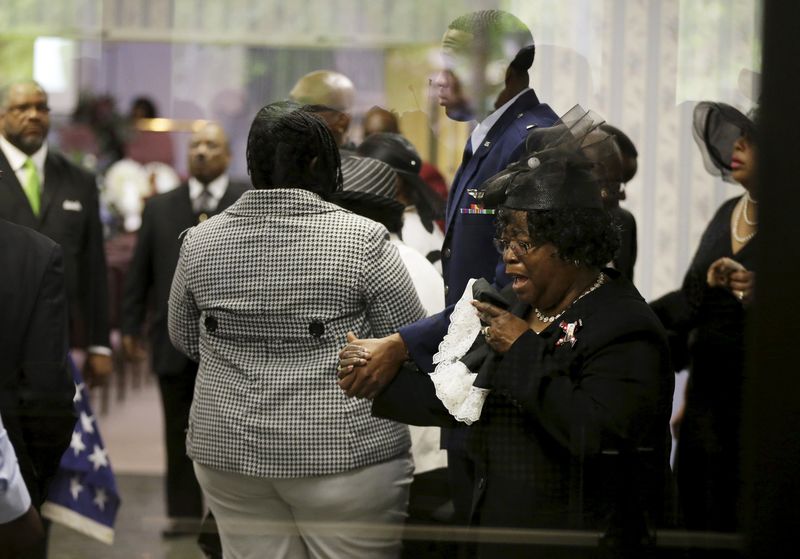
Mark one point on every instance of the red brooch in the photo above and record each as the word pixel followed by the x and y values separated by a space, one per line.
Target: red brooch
pixel 569 329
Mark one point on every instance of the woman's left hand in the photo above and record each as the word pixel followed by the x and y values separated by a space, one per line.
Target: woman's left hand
pixel 742 284
pixel 503 327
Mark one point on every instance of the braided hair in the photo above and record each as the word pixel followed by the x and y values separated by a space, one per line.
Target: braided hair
pixel 290 147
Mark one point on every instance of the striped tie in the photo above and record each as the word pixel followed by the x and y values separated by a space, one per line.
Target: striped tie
pixel 31 186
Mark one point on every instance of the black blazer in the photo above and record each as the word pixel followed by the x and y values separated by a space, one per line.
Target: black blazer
pixel 36 388
pixel 158 246
pixel 569 435
pixel 69 216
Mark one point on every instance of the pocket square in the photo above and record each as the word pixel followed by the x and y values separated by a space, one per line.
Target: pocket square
pixel 72 205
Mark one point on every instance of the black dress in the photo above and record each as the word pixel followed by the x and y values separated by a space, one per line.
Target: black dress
pixel 571 436
pixel 706 327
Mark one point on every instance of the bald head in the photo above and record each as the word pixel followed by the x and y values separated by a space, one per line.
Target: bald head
pixel 209 152
pixel 333 93
pixel 24 115
pixel 324 87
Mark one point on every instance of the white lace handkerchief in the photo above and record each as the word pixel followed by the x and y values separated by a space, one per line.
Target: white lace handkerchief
pixel 451 378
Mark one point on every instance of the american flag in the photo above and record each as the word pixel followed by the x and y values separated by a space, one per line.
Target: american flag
pixel 84 494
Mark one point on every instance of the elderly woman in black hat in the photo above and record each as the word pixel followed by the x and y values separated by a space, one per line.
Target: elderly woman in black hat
pixel 706 322
pixel 563 375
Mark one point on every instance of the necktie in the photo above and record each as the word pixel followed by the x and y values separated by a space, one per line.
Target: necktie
pixel 202 204
pixel 31 186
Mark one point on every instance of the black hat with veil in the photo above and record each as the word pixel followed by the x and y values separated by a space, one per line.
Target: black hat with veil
pixel 563 167
pixel 716 127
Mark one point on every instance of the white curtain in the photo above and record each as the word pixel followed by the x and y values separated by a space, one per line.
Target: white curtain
pixel 643 64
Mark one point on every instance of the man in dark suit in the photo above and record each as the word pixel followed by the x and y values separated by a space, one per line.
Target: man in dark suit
pixel 207 192
pixel 507 109
pixel 42 190
pixel 36 388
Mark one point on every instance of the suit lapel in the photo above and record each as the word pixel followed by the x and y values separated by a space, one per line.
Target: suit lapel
pixel 17 207
pixel 183 207
pixel 465 174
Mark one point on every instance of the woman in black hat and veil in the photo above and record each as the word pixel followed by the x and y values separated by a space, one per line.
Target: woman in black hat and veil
pixel 705 319
pixel 563 376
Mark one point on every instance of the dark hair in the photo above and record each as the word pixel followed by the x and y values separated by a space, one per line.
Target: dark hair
pixel 320 108
pixel 494 27
pixel 147 106
pixel 290 147
pixel 390 121
pixel 429 205
pixel 585 236
pixel 625 144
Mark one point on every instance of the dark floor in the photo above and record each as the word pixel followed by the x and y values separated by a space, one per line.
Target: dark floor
pixel 137 532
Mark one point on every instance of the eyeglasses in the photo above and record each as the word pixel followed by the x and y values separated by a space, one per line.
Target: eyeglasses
pixel 517 247
pixel 43 108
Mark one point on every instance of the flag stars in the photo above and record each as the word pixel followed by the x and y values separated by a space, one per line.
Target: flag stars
pixel 86 422
pixel 75 487
pixel 77 443
pixel 98 458
pixel 100 498
pixel 78 389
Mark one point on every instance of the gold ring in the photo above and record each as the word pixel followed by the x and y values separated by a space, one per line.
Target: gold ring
pixel 485 332
pixel 740 295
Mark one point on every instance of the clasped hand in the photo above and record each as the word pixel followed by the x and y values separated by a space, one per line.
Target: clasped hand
pixel 367 366
pixel 731 275
pixel 503 328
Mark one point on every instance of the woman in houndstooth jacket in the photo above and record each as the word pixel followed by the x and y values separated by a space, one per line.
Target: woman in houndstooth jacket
pixel 263 297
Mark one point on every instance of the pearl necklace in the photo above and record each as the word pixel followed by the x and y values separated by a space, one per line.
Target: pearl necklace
pixel 747 201
pixel 601 279
pixel 741 209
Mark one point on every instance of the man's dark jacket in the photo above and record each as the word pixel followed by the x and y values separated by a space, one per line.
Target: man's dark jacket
pixel 70 216
pixel 36 389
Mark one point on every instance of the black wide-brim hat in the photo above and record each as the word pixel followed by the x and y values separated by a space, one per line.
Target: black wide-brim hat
pixel 716 128
pixel 398 152
pixel 392 149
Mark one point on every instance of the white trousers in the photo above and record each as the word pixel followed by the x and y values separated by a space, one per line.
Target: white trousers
pixel 358 514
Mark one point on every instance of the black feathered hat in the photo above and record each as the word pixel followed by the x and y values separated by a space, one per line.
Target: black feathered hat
pixel 562 167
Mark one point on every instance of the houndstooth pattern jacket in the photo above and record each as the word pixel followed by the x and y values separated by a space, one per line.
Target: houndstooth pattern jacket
pixel 262 297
